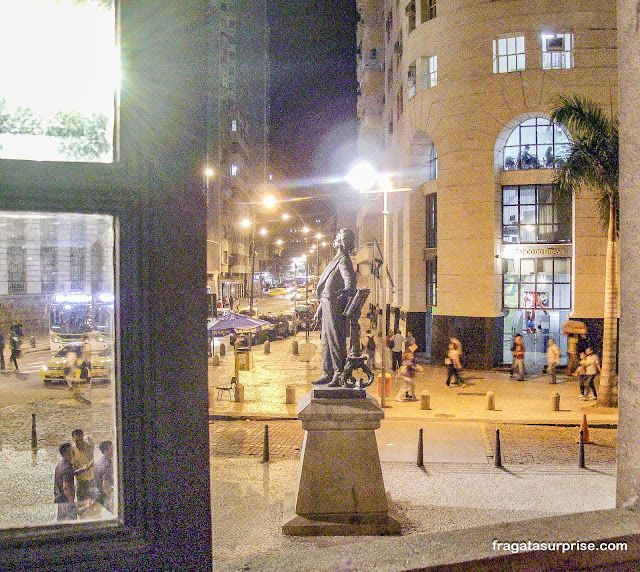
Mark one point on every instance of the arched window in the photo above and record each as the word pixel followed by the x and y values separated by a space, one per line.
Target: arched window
pixel 423 158
pixel 536 144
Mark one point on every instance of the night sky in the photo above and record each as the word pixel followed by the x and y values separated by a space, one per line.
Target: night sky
pixel 313 87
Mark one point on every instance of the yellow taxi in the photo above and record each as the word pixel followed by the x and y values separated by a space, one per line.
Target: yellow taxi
pixel 62 367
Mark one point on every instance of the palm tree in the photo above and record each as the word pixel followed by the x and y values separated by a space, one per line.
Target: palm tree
pixel 593 163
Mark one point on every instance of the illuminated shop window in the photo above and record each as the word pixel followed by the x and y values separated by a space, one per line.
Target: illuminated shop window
pixel 59 76
pixel 557 51
pixel 536 144
pixel 63 342
pixel 508 54
pixel 537 283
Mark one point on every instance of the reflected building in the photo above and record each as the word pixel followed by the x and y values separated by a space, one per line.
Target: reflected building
pixel 454 101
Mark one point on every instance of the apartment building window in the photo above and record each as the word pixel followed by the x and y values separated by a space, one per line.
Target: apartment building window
pixel 536 143
pixel 399 103
pixel 533 214
pixel 432 220
pixel 429 71
pixel 390 127
pixel 431 274
pixel 427 10
pixel 389 24
pixel 234 125
pixel 557 51
pixel 410 12
pixel 77 267
pixel 373 54
pixel 411 81
pixel 233 170
pixel 48 269
pixel 433 163
pixel 508 54
pixel 390 73
pixel 16 270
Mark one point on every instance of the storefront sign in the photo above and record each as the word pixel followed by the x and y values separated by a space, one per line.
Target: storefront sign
pixel 536 251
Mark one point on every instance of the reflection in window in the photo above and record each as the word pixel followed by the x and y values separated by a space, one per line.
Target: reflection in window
pixel 59 70
pixel 66 379
pixel 429 71
pixel 533 214
pixel 536 144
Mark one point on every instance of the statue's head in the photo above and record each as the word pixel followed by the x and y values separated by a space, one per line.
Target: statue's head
pixel 345 239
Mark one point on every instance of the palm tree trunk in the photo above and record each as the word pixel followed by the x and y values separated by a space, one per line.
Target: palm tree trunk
pixel 611 313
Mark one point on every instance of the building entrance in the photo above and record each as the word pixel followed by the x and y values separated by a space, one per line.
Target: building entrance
pixel 535 327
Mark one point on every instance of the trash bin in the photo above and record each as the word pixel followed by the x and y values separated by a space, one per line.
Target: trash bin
pixel 387 392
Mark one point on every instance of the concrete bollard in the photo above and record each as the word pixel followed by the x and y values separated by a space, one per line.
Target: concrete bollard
pixel 491 401
pixel 425 400
pixel 214 360
pixel 267 347
pixel 294 347
pixel 290 394
pixel 239 394
pixel 555 401
pixel 223 350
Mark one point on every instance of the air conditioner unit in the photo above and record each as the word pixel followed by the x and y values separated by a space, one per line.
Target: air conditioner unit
pixel 555 44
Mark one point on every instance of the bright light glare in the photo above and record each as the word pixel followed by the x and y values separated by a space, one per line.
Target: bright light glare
pixel 285 216
pixel 246 222
pixel 263 231
pixel 208 172
pixel 362 176
pixel 319 236
pixel 279 241
pixel 269 201
pixel 305 229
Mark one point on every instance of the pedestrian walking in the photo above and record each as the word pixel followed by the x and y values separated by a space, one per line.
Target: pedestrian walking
pixel 231 303
pixel 64 490
pixel 517 350
pixel 410 343
pixel 397 347
pixel 370 348
pixel 408 371
pixel 553 357
pixel 85 370
pixel 572 351
pixel 2 365
pixel 14 343
pixel 454 366
pixel 592 368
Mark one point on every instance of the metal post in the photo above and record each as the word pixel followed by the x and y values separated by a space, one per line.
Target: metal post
pixel 581 450
pixel 306 284
pixel 497 460
pixel 34 434
pixel 383 282
pixel 420 449
pixel 253 263
pixel 265 445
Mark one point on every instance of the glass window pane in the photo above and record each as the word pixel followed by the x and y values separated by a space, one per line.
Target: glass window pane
pixel 66 380
pixel 528 194
pixel 528 135
pixel 562 296
pixel 520 44
pixel 59 70
pixel 562 269
pixel 545 134
pixel 544 267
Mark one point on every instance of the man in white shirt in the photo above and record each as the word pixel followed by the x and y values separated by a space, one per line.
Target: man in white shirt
pixel 592 368
pixel 553 357
pixel 397 347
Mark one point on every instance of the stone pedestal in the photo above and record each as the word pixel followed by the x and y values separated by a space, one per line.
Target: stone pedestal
pixel 340 488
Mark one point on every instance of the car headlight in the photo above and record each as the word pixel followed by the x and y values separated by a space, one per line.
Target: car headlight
pixel 44 367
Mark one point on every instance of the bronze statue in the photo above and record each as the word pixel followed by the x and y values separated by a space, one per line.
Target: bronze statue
pixel 336 289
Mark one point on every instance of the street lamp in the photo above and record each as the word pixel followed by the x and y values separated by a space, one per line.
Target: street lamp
pixel 364 179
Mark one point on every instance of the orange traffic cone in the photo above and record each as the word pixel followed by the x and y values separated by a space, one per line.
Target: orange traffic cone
pixel 585 429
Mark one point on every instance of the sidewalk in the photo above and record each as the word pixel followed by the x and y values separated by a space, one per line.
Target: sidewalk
pixel 515 402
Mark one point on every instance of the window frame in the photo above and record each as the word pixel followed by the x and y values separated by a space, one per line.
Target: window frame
pixel 512 53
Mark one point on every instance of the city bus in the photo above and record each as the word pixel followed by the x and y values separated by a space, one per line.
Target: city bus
pixel 72 316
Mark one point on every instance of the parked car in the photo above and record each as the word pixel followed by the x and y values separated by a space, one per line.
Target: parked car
pixel 57 368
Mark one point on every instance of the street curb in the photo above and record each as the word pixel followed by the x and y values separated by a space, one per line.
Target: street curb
pixel 533 422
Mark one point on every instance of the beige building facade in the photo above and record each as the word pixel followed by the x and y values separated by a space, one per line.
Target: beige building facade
pixel 480 246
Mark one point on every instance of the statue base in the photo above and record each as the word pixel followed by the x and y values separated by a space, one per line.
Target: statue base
pixel 340 488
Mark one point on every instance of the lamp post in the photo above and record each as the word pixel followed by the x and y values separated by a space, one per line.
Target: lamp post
pixel 246 223
pixel 364 179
